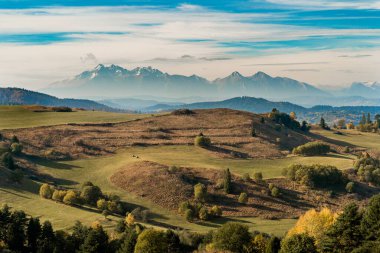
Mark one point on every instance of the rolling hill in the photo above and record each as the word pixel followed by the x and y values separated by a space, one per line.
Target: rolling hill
pixel 17 96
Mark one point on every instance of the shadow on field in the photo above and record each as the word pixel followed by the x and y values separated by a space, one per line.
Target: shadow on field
pixel 50 163
pixel 329 140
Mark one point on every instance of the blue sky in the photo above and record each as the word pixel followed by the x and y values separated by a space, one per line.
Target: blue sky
pixel 45 41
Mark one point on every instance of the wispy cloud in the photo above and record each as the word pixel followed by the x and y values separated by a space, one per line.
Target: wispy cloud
pixel 54 42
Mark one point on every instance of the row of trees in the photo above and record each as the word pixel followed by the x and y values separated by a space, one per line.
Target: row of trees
pixel 320 176
pixel 353 230
pixel 89 194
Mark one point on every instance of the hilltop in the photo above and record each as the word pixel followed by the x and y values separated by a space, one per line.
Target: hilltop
pixel 17 96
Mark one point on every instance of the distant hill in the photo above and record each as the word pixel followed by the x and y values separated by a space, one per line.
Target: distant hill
pixel 251 104
pixel 17 96
pixel 260 105
pixel 115 81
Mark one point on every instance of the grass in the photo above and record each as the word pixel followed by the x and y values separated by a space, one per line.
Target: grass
pixel 18 117
pixel 354 137
pixel 98 170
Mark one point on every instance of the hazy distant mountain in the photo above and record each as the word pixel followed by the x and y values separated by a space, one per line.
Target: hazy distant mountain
pixel 257 105
pixel 263 85
pixel 16 96
pixel 115 81
pixel 132 103
pixel 364 89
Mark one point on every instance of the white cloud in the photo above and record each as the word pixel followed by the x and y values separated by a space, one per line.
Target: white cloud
pixel 330 4
pixel 110 35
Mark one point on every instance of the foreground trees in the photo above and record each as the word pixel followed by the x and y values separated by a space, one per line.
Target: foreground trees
pixel 354 230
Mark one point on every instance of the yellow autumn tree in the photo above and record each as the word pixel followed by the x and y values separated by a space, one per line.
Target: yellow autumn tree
pixel 313 223
pixel 130 219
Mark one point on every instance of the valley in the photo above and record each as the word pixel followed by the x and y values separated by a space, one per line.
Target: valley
pixel 167 140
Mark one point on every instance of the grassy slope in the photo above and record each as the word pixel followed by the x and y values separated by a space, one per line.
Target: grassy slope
pixel 98 170
pixel 364 140
pixel 18 117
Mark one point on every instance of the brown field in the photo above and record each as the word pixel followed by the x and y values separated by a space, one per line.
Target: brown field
pixel 229 130
pixel 168 187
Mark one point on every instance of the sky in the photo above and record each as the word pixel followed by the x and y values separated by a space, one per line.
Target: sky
pixel 327 43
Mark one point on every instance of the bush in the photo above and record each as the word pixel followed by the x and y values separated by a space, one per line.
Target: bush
pixel 200 192
pixel 71 198
pixel 151 241
pixel 16 148
pixel 91 194
pixel 270 186
pixel 189 215
pixel 232 237
pixel 298 243
pixel 183 206
pixel 46 191
pixel 246 177
pixel 368 169
pixel 14 139
pixel 101 204
pixel 7 161
pixel 203 213
pixel 59 195
pixel 311 149
pixel 183 112
pixel 258 176
pixel 315 175
pixel 243 198
pixel 216 211
pixel 202 141
pixel 275 192
pixel 350 187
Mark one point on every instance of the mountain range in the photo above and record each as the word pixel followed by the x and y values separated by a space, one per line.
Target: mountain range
pixel 115 81
pixel 17 96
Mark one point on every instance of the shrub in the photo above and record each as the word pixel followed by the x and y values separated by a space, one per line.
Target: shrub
pixel 232 237
pixel 258 176
pixel 275 192
pixel 200 192
pixel 91 194
pixel 183 206
pixel 298 243
pixel 130 219
pixel 203 213
pixel 189 215
pixel 368 169
pixel 16 148
pixel 183 112
pixel 151 241
pixel 243 198
pixel 14 139
pixel 350 187
pixel 216 211
pixel 46 191
pixel 202 141
pixel 270 186
pixel 315 175
pixel 311 149
pixel 101 204
pixel 7 161
pixel 71 198
pixel 59 195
